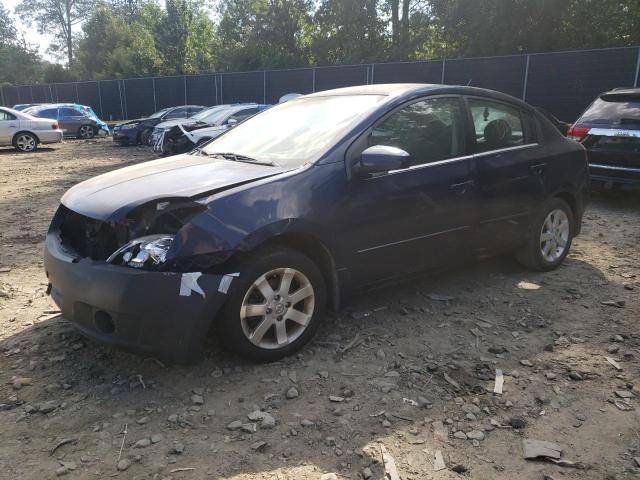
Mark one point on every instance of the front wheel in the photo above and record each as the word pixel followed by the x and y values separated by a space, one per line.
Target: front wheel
pixel 275 306
pixel 550 239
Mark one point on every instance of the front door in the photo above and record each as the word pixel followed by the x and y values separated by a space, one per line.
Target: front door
pixel 70 120
pixel 510 166
pixel 417 217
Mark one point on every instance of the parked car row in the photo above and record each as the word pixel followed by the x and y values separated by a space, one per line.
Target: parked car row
pixel 28 125
pixel 25 132
pixel 180 129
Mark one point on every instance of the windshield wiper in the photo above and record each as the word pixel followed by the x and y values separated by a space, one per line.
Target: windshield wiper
pixel 234 157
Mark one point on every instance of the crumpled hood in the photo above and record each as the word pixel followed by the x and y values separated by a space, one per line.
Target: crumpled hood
pixel 137 120
pixel 112 195
pixel 174 122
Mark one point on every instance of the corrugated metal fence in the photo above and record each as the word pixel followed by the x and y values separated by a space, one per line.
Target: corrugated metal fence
pixel 562 82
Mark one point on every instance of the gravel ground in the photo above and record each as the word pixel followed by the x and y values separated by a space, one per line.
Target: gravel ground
pixel 410 368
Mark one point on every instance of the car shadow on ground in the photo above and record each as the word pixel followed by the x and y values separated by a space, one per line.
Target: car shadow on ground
pixel 12 151
pixel 348 395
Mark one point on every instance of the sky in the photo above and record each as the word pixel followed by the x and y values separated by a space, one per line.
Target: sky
pixel 30 33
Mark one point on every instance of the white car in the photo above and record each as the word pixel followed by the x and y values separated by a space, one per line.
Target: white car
pixel 24 132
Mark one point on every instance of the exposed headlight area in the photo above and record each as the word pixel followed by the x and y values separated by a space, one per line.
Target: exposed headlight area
pixel 139 240
pixel 149 252
pixel 128 126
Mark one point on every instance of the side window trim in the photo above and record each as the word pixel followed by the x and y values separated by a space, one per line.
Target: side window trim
pixel 530 138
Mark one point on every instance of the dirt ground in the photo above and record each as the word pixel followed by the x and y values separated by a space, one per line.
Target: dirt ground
pixel 410 368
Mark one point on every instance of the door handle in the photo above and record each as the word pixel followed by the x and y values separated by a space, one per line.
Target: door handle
pixel 461 188
pixel 538 168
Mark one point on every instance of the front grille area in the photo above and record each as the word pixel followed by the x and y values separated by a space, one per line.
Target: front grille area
pixel 85 236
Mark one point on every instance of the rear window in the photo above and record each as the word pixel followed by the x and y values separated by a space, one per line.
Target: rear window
pixel 618 109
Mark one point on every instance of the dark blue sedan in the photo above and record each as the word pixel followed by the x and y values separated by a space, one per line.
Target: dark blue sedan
pixel 305 204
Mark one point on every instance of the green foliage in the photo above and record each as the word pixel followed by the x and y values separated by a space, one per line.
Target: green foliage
pixel 255 34
pixel 58 18
pixel 111 47
pixel 19 62
pixel 348 31
pixel 128 38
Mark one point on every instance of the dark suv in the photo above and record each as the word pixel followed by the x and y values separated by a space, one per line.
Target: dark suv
pixel 304 204
pixel 610 131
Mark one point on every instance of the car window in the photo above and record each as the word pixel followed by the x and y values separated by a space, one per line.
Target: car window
pixel 177 113
pixel 429 130
pixel 159 113
pixel 614 109
pixel 47 113
pixel 69 112
pixel 496 125
pixel 6 116
pixel 243 114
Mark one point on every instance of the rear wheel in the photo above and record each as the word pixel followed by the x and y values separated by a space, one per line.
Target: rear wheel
pixel 86 132
pixel 551 235
pixel 25 142
pixel 275 306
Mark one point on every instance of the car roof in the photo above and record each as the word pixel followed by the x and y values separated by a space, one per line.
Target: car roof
pixel 46 106
pixel 398 91
pixel 623 91
pixel 631 93
pixel 183 106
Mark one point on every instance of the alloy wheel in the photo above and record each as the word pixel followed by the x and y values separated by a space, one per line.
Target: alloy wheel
pixel 26 143
pixel 277 308
pixel 554 235
pixel 86 132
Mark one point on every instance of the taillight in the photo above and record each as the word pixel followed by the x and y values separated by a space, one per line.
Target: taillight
pixel 54 125
pixel 577 133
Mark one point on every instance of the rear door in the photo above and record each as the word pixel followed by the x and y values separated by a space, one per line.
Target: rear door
pixel 510 172
pixel 8 127
pixel 417 217
pixel 70 120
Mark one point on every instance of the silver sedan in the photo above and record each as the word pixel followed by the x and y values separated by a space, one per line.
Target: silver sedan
pixel 24 132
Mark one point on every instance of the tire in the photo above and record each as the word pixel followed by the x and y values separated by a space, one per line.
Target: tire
pixel 25 142
pixel 86 132
pixel 552 231
pixel 266 268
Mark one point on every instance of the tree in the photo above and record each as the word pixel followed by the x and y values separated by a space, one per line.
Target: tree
pixel 19 61
pixel 348 31
pixel 112 47
pixel 254 34
pixel 56 17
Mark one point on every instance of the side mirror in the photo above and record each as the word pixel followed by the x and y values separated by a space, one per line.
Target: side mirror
pixel 232 122
pixel 382 158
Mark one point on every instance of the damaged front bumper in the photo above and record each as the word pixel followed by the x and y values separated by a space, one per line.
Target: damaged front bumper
pixel 163 314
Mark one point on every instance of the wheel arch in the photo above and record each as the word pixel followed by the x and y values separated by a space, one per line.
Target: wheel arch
pixel 572 201
pixel 313 248
pixel 13 140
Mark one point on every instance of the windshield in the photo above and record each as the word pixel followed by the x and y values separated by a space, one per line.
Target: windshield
pixel 159 113
pixel 296 132
pixel 204 114
pixel 614 109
